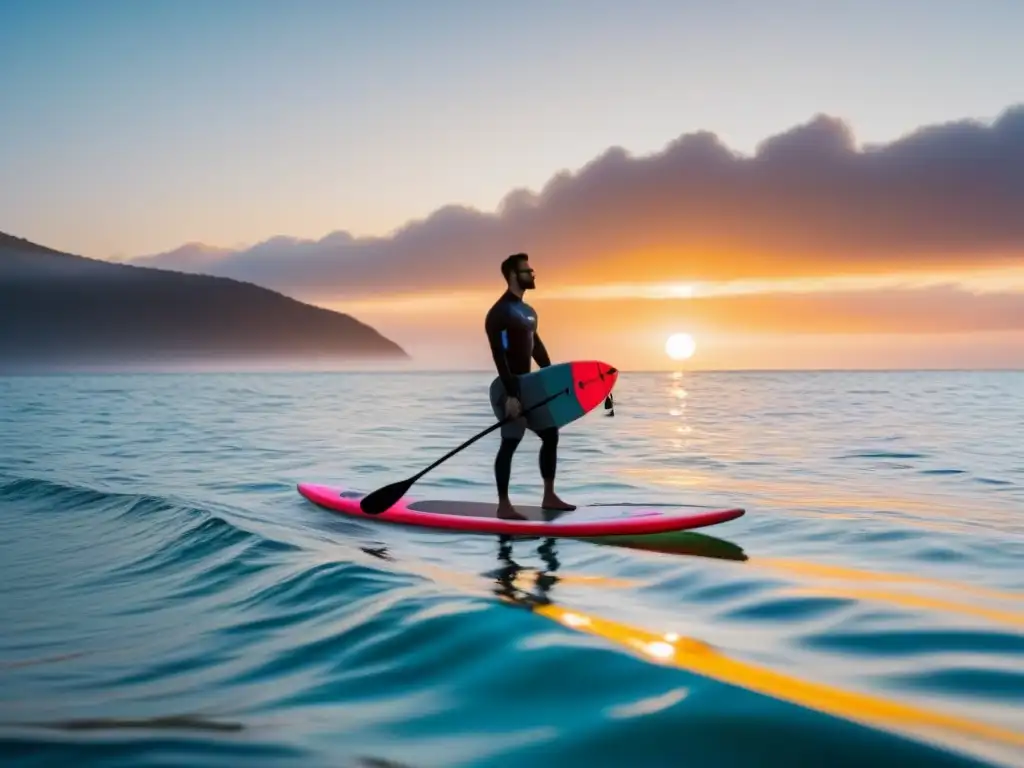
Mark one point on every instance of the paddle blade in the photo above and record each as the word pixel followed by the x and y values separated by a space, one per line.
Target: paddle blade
pixel 384 498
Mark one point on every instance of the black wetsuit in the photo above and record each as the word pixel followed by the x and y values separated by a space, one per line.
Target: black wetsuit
pixel 511 326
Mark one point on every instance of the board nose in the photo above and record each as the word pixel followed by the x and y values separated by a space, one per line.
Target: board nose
pixel 608 374
pixel 611 373
pixel 593 380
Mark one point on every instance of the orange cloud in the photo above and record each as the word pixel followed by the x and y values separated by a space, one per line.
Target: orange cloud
pixel 808 203
pixel 938 326
pixel 934 310
pixel 923 311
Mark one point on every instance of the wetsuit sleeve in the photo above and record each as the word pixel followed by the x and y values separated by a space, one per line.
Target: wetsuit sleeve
pixel 540 352
pixel 496 322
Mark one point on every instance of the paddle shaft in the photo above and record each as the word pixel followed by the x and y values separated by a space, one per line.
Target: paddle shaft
pixel 501 423
pixel 486 432
pixel 384 498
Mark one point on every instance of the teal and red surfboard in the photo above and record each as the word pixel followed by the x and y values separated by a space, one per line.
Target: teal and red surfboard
pixel 572 390
pixel 577 388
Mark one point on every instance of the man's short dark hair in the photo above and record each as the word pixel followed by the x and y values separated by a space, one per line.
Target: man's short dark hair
pixel 510 264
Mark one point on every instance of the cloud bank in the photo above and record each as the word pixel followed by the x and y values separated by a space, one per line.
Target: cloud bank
pixel 809 202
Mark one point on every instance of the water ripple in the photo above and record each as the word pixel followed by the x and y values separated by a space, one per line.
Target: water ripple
pixel 169 599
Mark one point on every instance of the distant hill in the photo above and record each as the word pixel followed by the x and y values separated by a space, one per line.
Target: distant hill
pixel 59 309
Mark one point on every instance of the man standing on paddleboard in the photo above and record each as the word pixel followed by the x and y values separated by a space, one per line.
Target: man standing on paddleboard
pixel 511 326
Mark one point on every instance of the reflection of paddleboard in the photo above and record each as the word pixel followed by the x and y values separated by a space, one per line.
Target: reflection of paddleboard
pixel 481 517
pixel 678 543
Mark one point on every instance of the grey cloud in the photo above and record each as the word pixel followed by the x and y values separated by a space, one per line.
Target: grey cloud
pixel 808 202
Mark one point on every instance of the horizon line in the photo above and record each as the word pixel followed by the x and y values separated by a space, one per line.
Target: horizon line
pixel 449 371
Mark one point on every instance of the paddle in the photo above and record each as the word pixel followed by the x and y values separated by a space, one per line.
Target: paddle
pixel 384 498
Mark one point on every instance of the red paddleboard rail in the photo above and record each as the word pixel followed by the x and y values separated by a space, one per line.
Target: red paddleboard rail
pixel 637 523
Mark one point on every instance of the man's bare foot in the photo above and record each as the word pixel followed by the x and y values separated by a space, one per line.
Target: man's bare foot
pixel 507 512
pixel 551 501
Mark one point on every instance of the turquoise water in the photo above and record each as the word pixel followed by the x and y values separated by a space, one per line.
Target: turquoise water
pixel 167 598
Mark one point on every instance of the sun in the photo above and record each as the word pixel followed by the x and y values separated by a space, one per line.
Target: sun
pixel 680 346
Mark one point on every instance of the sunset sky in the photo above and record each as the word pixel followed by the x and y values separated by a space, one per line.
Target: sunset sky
pixel 794 183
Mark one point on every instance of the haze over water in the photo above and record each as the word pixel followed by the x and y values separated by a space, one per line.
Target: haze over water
pixel 157 562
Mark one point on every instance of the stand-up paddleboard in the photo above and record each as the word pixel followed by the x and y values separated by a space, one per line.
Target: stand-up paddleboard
pixel 481 517
pixel 553 396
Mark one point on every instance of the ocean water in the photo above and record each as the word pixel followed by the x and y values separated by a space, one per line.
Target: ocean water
pixel 167 598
